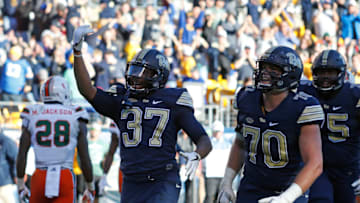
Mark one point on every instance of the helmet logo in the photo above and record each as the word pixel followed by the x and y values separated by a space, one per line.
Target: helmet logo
pixel 325 57
pixel 293 60
pixel 162 61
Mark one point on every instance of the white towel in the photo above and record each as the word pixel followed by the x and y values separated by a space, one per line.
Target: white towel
pixel 52 183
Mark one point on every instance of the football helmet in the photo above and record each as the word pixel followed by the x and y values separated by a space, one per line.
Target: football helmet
pixel 286 60
pixel 328 60
pixel 55 89
pixel 148 71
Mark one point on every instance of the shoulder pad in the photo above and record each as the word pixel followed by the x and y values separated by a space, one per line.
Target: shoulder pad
pixel 302 96
pixel 185 99
pixel 81 113
pixel 115 89
pixel 241 94
pixel 355 92
pixel 26 112
pixel 312 111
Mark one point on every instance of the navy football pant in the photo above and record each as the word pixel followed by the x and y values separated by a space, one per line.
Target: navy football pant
pixel 150 191
pixel 335 189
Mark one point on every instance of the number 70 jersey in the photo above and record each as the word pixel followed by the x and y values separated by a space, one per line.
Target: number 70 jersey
pixel 54 130
pixel 272 139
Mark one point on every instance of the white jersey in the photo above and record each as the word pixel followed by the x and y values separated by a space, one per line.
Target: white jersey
pixel 54 130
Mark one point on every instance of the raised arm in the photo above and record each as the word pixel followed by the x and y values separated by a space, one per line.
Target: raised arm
pixel 81 74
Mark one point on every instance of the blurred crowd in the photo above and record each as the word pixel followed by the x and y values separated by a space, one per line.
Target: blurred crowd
pixel 211 42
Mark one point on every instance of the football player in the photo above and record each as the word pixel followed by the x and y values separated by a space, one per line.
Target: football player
pixel 54 129
pixel 278 135
pixel 115 136
pixel 340 133
pixel 149 117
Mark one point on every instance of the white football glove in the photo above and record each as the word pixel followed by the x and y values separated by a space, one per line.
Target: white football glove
pixel 24 192
pixel 88 196
pixel 79 34
pixel 288 196
pixel 226 193
pixel 183 174
pixel 192 163
pixel 356 186
pixel 102 184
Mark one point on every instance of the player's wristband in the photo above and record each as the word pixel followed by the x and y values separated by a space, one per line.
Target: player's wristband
pixel 229 175
pixel 20 182
pixel 90 186
pixel 292 193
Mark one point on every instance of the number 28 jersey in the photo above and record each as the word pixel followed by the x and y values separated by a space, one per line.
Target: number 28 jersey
pixel 272 139
pixel 54 130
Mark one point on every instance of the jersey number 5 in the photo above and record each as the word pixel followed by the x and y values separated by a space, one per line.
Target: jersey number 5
pixel 136 125
pixel 61 129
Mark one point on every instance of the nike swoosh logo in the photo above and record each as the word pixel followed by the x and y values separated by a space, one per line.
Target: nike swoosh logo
pixel 335 108
pixel 156 102
pixel 273 124
pixel 178 186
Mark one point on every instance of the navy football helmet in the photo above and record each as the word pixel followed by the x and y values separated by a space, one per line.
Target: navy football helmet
pixel 148 71
pixel 326 61
pixel 286 60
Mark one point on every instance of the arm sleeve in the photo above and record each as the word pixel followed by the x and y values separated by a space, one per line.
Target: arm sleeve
pixel 105 104
pixel 11 153
pixel 187 122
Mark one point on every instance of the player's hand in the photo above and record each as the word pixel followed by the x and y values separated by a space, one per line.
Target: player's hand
pixel 102 184
pixel 192 163
pixel 24 193
pixel 274 199
pixel 79 35
pixel 356 186
pixel 88 196
pixel 226 194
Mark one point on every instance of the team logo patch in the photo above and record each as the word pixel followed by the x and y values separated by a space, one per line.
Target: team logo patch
pixel 249 120
pixel 262 120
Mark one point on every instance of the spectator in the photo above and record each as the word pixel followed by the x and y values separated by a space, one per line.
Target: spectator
pixel 97 151
pixel 215 162
pixel 8 153
pixel 16 76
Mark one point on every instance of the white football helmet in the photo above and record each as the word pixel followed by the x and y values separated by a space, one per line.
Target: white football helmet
pixel 55 89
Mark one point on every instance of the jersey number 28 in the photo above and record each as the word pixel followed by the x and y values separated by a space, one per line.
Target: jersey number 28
pixel 59 129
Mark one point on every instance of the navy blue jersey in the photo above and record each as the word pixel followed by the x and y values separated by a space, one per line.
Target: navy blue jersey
pixel 272 139
pixel 341 131
pixel 148 129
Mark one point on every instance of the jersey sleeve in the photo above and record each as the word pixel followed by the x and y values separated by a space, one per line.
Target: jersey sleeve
pixel 186 120
pixel 185 100
pixel 114 129
pixel 107 104
pixel 311 113
pixel 25 115
pixel 81 113
pixel 356 94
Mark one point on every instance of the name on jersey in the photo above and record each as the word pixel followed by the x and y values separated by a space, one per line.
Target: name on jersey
pixel 57 111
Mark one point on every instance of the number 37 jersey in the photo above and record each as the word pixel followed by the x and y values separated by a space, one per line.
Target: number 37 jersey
pixel 54 130
pixel 272 138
